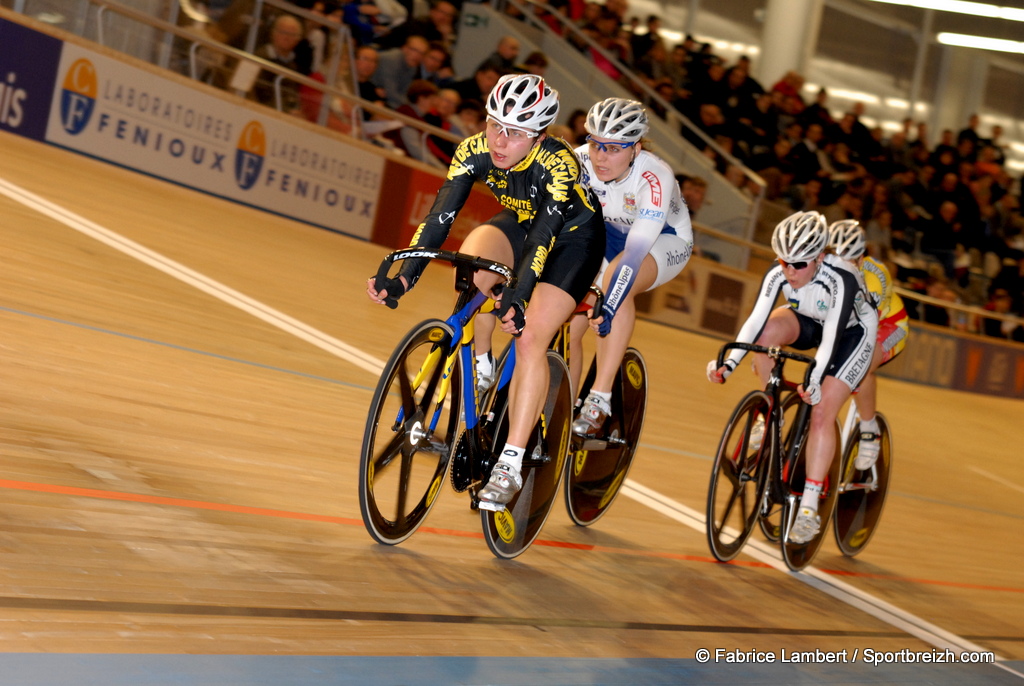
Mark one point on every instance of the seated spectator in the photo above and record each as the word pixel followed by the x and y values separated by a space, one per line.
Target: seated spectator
pixel 479 84
pixel 939 237
pixel 535 63
pixel 1000 301
pixel 282 94
pixel 366 59
pixel 422 97
pixel 439 25
pixel 773 166
pixel 471 115
pixel 397 68
pixel 503 59
pixel 437 66
pixel 693 190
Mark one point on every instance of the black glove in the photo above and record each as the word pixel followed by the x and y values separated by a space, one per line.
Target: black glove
pixel 394 287
pixel 518 314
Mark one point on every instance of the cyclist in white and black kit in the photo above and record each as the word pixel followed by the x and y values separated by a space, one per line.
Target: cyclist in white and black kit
pixel 648 239
pixel 827 307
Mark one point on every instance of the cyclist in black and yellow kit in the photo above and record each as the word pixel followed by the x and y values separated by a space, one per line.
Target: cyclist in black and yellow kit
pixel 551 229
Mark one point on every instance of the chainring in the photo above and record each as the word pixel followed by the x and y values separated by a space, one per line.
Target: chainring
pixel 462 468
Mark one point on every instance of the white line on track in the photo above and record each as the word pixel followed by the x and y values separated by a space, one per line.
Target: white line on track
pixel 995 477
pixel 193 278
pixel 904 621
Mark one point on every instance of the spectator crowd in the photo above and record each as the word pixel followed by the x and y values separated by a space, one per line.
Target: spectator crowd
pixel 942 212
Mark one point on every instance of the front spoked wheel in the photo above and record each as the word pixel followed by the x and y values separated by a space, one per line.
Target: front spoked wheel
pixel 738 479
pixel 510 532
pixel 407 444
pixel 599 465
pixel 862 492
pixel 799 555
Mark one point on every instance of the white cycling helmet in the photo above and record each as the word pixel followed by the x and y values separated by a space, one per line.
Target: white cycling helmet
pixel 618 119
pixel 800 237
pixel 847 238
pixel 523 101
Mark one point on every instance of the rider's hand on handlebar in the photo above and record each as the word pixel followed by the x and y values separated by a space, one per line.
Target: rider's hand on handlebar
pixel 601 322
pixel 512 317
pixel 386 292
pixel 718 374
pixel 812 394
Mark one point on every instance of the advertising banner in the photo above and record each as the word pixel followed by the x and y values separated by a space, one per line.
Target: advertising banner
pixel 131 117
pixel 963 362
pixel 28 69
pixel 706 297
pixel 406 196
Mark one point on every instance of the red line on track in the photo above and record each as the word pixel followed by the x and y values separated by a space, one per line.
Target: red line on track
pixel 57 489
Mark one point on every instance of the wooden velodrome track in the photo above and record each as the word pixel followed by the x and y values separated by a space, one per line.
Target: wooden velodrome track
pixel 178 469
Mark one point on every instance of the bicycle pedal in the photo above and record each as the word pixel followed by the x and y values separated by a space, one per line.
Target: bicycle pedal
pixel 490 506
pixel 593 443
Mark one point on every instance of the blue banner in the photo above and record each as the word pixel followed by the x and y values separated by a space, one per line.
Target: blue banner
pixel 28 71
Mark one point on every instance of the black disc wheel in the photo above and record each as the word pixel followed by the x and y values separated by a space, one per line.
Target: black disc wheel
pixel 598 466
pixel 862 492
pixel 410 432
pixel 510 532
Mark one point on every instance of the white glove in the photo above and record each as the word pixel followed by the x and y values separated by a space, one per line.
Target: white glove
pixel 714 376
pixel 812 393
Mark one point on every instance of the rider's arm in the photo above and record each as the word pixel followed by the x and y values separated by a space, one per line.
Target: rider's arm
pixel 763 306
pixel 653 197
pixel 450 199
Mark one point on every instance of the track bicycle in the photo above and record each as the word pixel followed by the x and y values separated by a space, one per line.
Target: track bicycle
pixel 763 483
pixel 597 466
pixel 861 492
pixel 409 444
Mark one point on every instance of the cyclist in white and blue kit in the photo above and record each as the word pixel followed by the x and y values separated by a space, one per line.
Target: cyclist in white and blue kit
pixel 827 308
pixel 648 239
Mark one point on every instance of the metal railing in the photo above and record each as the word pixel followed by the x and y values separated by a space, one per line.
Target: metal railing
pixel 203 52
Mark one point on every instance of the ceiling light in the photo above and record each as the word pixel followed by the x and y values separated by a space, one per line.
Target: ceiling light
pixel 981 42
pixel 977 9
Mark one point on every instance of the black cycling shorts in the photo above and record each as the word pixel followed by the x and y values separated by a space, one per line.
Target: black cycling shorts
pixel 574 261
pixel 853 353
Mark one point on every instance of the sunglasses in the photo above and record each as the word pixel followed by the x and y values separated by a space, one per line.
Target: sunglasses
pixel 609 147
pixel 795 265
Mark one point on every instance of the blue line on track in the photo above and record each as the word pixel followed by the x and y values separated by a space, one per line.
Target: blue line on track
pixel 47 669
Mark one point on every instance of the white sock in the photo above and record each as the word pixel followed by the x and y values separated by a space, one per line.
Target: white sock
pixel 513 456
pixel 812 493
pixel 484 364
pixel 869 425
pixel 605 398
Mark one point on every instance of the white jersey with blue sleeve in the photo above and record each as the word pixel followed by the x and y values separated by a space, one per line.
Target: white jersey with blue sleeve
pixel 644 214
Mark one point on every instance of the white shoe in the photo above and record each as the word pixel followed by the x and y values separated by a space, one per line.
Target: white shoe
pixel 503 485
pixel 805 527
pixel 591 417
pixel 867 451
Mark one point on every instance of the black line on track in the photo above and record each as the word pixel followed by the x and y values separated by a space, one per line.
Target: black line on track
pixel 200 610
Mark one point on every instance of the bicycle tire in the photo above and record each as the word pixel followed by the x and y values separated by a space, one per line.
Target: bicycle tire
pixel 403 463
pixel 597 468
pixel 798 555
pixel 738 479
pixel 859 506
pixel 510 532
